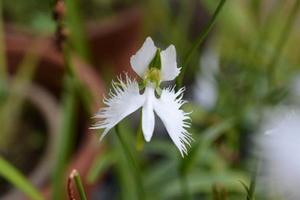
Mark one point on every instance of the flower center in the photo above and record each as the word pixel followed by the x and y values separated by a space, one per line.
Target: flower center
pixel 153 75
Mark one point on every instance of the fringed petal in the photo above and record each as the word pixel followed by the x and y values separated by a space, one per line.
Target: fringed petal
pixel 123 100
pixel 175 120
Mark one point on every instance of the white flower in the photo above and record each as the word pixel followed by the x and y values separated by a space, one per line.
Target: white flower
pixel 153 66
pixel 281 153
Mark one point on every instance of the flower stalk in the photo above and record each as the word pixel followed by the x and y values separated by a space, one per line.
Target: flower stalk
pixel 11 174
pixel 78 183
pixel 2 53
pixel 139 138
pixel 65 142
pixel 132 161
pixel 199 41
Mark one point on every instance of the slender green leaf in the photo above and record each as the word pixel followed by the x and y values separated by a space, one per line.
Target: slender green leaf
pixel 198 42
pixel 282 40
pixel 135 167
pixel 65 141
pixel 11 108
pixel 2 52
pixel 140 136
pixel 246 188
pixel 11 174
pixel 201 182
pixel 100 165
pixel 160 173
pixel 123 169
pixel 76 177
pixel 200 145
pixel 78 37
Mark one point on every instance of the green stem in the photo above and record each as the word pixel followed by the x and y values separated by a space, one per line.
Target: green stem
pixel 282 40
pixel 198 42
pixel 65 141
pixel 132 161
pixel 15 177
pixel 74 21
pixel 75 175
pixel 185 187
pixel 2 52
pixel 250 195
pixel 140 138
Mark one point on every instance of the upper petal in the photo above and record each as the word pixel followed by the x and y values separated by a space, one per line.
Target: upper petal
pixel 123 100
pixel 175 120
pixel 141 60
pixel 169 69
pixel 148 119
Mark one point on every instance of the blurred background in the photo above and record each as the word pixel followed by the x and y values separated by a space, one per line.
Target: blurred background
pixel 247 65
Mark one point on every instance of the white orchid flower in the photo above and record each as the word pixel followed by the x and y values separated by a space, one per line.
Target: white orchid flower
pixel 281 152
pixel 153 66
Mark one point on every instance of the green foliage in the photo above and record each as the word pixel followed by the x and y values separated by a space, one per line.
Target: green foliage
pixel 198 42
pixel 65 142
pixel 13 98
pixel 79 186
pixel 12 174
pixel 257 53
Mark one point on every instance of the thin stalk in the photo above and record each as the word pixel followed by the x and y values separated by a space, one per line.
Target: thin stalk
pixel 132 161
pixel 198 42
pixel 140 138
pixel 250 195
pixel 74 22
pixel 76 177
pixel 282 40
pixel 185 187
pixel 15 177
pixel 65 140
pixel 3 74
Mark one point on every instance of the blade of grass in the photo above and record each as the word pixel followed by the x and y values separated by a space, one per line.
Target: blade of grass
pixel 209 136
pixel 76 177
pixel 65 141
pixel 199 41
pixel 74 22
pixel 11 108
pixel 100 165
pixel 186 193
pixel 3 73
pixel 11 174
pixel 123 171
pixel 279 46
pixel 131 159
pixel 140 138
pixel 251 190
pixel 200 182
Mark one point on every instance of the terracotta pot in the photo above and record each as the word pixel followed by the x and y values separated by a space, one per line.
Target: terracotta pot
pixel 49 75
pixel 114 40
